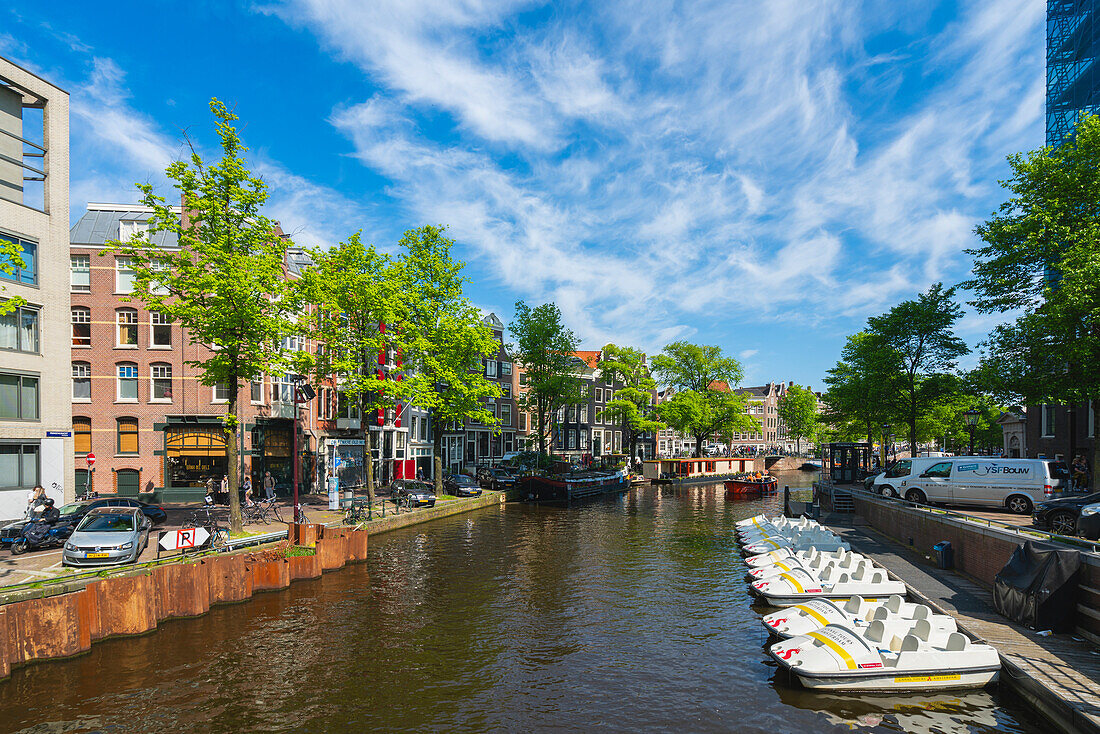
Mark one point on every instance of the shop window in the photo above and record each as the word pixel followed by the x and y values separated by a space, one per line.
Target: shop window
pixel 161 330
pixel 19 465
pixel 127 434
pixel 82 381
pixel 25 273
pixel 161 387
pixel 127 335
pixel 82 435
pixel 19 329
pixel 127 387
pixel 82 327
pixel 80 274
pixel 18 397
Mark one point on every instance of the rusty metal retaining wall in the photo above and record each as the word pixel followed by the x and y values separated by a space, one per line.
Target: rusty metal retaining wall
pixel 67 624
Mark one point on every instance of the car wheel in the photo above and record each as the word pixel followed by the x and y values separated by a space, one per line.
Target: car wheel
pixel 1019 504
pixel 1063 523
pixel 887 491
pixel 19 547
pixel 917 496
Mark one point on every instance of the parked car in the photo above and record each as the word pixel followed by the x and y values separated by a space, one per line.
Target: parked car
pixel 411 492
pixel 496 478
pixel 1060 515
pixel 107 536
pixel 74 512
pixel 1088 524
pixel 461 485
pixel 1018 484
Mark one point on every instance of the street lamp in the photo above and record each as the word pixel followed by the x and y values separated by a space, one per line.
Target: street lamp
pixel 303 393
pixel 971 417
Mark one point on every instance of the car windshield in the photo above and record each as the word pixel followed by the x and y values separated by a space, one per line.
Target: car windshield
pixel 107 522
pixel 899 469
pixel 71 509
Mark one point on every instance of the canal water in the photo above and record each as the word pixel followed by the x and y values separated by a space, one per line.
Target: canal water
pixel 624 614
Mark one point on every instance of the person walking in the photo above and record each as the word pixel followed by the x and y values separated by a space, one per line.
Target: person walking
pixel 269 485
pixel 225 489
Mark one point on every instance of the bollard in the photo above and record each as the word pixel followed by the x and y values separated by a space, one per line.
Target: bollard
pixel 786 500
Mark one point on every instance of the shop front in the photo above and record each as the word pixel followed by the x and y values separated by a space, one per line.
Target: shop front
pixel 273 451
pixel 194 452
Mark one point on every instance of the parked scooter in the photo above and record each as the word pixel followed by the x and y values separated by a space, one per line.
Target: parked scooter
pixel 41 530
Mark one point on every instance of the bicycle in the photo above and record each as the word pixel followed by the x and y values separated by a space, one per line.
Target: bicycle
pixel 301 516
pixel 357 511
pixel 205 518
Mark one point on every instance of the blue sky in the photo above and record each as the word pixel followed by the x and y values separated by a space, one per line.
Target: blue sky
pixel 758 175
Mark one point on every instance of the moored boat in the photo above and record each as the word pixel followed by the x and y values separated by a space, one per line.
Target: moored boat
pixel 794 587
pixel 750 486
pixel 566 488
pixel 838 658
pixel 695 470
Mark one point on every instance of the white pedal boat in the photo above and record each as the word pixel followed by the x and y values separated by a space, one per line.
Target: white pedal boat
pixel 814 567
pixel 772 557
pixel 788 589
pixel 781 526
pixel 827 543
pixel 899 616
pixel 839 658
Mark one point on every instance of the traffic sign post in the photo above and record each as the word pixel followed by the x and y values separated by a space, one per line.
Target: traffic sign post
pixel 182 540
pixel 90 458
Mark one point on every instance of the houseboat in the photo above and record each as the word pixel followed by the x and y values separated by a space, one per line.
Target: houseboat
pixel 701 469
pixel 566 488
pixel 750 486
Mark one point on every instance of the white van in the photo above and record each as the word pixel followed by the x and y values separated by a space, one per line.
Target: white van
pixel 1017 484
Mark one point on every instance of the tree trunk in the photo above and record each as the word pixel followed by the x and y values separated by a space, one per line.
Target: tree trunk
pixel 913 435
pixel 437 456
pixel 368 462
pixel 232 452
pixel 699 445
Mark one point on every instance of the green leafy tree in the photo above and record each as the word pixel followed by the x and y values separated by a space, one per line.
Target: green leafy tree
pixel 353 291
pixel 798 410
pixel 11 258
pixel 226 283
pixel 445 342
pixel 919 335
pixel 545 347
pixel 633 403
pixel 860 389
pixel 703 404
pixel 1041 255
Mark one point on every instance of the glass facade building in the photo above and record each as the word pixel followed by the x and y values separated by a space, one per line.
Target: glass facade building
pixel 1073 64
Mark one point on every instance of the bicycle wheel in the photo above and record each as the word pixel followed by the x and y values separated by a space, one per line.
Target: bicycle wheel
pixel 219 537
pixel 275 512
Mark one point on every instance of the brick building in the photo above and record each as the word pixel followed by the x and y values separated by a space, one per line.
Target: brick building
pixel 1050 432
pixel 35 439
pixel 140 408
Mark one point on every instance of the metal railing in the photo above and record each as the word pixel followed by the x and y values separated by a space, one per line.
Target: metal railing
pixel 1033 532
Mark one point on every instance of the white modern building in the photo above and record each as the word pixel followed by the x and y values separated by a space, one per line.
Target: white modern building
pixel 36 445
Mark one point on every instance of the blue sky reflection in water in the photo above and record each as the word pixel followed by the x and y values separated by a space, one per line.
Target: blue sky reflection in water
pixel 758 175
pixel 628 614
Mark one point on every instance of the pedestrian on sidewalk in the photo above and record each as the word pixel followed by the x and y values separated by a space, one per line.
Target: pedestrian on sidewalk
pixel 247 486
pixel 269 485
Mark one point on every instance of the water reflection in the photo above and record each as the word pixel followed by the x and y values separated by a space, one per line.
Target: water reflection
pixel 625 614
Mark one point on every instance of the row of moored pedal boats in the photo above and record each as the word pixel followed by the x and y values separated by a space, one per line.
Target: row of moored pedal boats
pixel 844 623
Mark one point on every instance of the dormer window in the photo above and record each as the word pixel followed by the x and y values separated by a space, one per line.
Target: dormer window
pixel 129 228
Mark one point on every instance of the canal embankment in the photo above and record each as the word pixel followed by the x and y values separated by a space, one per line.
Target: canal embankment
pixel 1058 675
pixel 65 617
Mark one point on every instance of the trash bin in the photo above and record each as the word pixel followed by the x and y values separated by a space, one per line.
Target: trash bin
pixel 945 555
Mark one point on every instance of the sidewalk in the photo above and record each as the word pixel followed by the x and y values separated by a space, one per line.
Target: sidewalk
pixel 1059 675
pixel 44 565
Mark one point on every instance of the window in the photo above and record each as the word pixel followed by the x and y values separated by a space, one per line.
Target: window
pixel 505 368
pixel 27 273
pixel 941 470
pixel 505 414
pixel 572 415
pixel 618 442
pixel 584 390
pixel 80 274
pixel 160 268
pixel 129 228
pixel 584 414
pixel 221 392
pixel 127 389
pixel 124 275
pixel 347 406
pixel 572 438
pixel 506 390
pixel 1048 421
pixel 599 394
pixel 256 394
pixel 82 435
pixel 18 397
pixel 161 384
pixel 19 329
pixel 523 379
pixel 491 368
pixel 82 381
pixel 18 465
pixel 126 318
pixel 127 436
pixel 82 327
pixel 282 389
pixel 522 421
pixel 561 414
pixel 161 330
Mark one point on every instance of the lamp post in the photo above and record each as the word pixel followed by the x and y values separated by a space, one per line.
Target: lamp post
pixel 971 417
pixel 303 393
